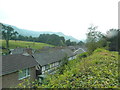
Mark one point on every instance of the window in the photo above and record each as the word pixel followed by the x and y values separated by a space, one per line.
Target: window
pixel 56 63
pixel 43 68
pixel 70 58
pixel 24 73
pixel 52 65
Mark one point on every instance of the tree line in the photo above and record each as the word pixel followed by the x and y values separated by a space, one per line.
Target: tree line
pixel 52 39
pixel 8 33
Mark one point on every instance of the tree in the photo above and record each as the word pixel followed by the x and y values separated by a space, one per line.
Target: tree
pixel 95 39
pixel 52 39
pixel 68 42
pixel 81 43
pixel 113 36
pixel 7 33
pixel 62 41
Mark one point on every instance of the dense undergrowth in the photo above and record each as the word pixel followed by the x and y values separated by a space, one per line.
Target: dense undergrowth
pixel 99 70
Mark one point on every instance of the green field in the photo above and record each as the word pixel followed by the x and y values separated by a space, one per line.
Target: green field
pixel 13 44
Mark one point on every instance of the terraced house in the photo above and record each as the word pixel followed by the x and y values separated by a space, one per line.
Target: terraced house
pixel 23 64
pixel 49 60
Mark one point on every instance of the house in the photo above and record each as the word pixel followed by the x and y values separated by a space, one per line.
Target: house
pixel 49 60
pixel 73 51
pixel 72 48
pixel 69 53
pixel 17 67
pixel 79 51
pixel 19 50
pixel 24 63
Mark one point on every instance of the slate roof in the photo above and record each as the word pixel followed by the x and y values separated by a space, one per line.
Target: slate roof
pixel 50 56
pixel 79 51
pixel 12 63
pixel 72 48
pixel 68 52
pixel 17 51
pixel 22 50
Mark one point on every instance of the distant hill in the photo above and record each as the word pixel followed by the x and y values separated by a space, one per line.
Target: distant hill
pixel 25 32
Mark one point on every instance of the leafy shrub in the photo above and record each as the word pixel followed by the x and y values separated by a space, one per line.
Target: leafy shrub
pixel 62 65
pixel 98 50
pixel 5 51
pixel 27 83
pixel 83 55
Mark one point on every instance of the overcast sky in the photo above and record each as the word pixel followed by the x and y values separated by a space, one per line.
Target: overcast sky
pixel 72 17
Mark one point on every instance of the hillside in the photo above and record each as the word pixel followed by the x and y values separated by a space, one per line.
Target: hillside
pixel 25 32
pixel 13 44
pixel 99 70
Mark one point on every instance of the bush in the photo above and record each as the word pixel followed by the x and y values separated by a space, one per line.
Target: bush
pixel 27 83
pixel 83 55
pixel 99 50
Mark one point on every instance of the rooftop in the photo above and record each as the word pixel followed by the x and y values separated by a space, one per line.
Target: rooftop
pixel 12 63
